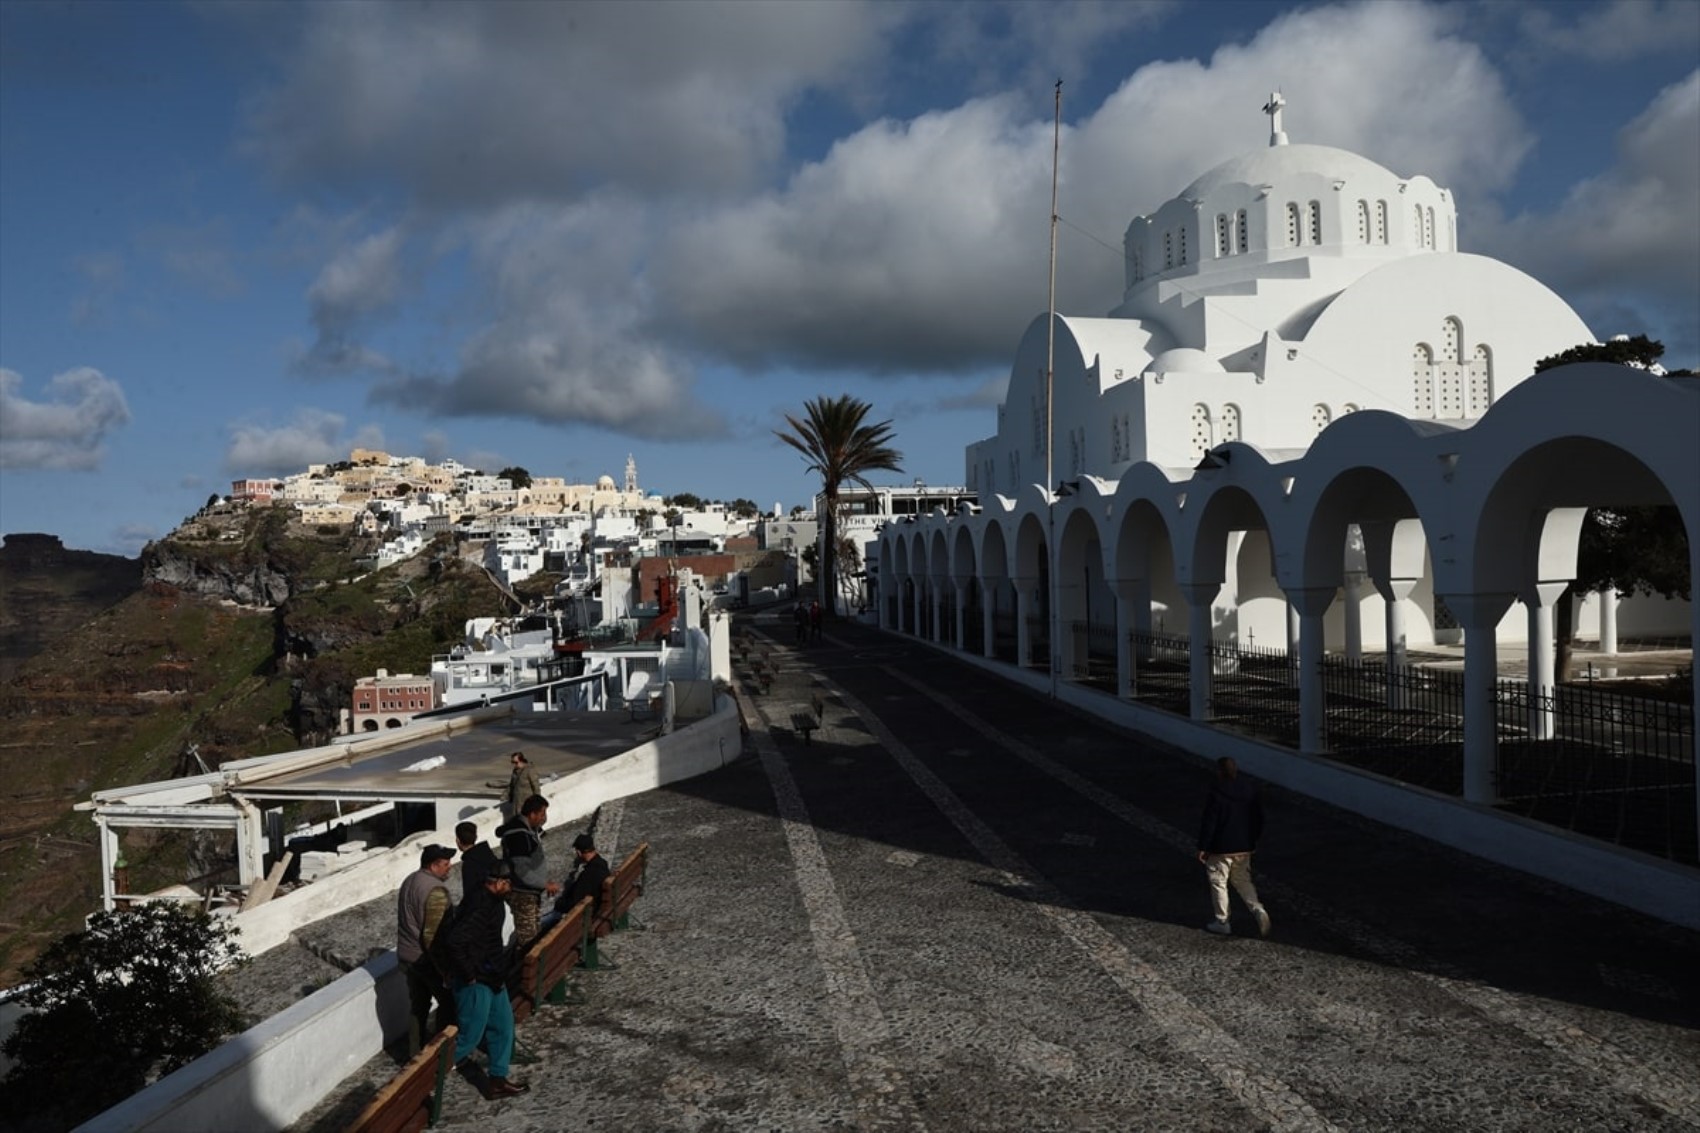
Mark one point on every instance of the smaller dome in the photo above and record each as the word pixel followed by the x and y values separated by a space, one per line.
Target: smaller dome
pixel 1185 360
pixel 1274 165
pixel 605 483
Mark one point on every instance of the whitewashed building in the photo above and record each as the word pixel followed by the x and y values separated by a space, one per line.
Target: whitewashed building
pixel 1309 425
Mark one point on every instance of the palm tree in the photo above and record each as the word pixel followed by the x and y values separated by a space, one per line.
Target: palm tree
pixel 835 442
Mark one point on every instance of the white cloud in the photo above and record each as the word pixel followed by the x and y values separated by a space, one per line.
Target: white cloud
pixel 617 216
pixel 1613 32
pixel 1624 245
pixel 67 429
pixel 496 102
pixel 358 287
pixel 922 244
pixel 313 437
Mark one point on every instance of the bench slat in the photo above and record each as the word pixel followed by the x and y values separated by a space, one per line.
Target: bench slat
pixel 409 1101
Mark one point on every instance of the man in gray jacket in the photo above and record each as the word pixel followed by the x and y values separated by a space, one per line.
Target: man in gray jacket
pixel 420 908
pixel 522 848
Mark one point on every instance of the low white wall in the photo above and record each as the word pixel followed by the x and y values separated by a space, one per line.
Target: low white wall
pixel 703 746
pixel 267 1077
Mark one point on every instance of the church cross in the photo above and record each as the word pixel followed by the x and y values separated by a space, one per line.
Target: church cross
pixel 1277 137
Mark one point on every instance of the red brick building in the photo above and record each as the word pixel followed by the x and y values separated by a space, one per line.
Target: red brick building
pixel 384 701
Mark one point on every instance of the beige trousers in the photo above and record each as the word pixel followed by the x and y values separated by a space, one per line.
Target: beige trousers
pixel 1224 870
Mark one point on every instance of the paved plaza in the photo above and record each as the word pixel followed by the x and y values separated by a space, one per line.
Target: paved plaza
pixel 960 906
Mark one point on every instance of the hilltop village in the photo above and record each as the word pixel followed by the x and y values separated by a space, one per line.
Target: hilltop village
pixel 599 550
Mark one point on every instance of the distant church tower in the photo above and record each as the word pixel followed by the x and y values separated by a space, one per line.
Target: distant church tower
pixel 631 473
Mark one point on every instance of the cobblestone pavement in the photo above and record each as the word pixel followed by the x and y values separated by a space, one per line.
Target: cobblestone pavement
pixel 959 906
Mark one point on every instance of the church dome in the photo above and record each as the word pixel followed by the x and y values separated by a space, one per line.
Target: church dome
pixel 605 483
pixel 1276 165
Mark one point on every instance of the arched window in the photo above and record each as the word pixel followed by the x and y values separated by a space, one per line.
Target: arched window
pixel 1417 225
pixel 1221 234
pixel 1316 222
pixel 1363 222
pixel 1239 229
pixel 1422 381
pixel 1428 227
pixel 1348 408
pixel 1201 435
pixel 1138 266
pixel 1292 224
pixel 1183 245
pixel 1230 423
pixel 1168 250
pixel 1449 370
pixel 1381 222
pixel 1481 380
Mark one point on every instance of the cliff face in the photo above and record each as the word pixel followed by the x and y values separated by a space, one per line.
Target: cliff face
pixel 47 590
pixel 243 582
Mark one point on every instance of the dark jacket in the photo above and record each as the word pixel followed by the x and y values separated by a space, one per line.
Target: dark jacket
pixel 588 883
pixel 474 944
pixel 475 867
pixel 522 848
pixel 1233 817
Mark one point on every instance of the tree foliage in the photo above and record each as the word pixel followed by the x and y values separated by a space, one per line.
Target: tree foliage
pixel 744 509
pixel 111 1008
pixel 687 500
pixel 841 448
pixel 516 476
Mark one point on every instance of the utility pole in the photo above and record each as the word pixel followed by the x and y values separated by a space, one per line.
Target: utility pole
pixel 1050 399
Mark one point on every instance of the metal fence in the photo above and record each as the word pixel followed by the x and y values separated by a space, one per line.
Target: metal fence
pixel 1161 675
pixel 1092 658
pixel 1601 763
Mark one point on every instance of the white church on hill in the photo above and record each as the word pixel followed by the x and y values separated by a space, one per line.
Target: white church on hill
pixel 1310 425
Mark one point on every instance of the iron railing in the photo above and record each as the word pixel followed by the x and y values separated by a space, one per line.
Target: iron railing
pixel 1092 658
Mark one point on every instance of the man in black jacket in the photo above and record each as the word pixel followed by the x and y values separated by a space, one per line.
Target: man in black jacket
pixel 476 857
pixel 1233 821
pixel 586 881
pixel 477 967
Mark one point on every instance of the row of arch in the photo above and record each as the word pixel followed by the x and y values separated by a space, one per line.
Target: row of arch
pixel 1486 516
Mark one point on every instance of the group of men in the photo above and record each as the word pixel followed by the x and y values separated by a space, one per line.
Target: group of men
pixel 807 617
pixel 457 955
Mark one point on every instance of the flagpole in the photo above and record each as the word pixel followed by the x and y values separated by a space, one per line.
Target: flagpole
pixel 1051 623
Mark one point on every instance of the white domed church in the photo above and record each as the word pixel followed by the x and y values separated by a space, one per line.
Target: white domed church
pixel 1274 294
pixel 1307 438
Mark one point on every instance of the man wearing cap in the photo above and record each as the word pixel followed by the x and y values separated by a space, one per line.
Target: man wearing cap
pixel 421 905
pixel 589 872
pixel 522 848
pixel 478 975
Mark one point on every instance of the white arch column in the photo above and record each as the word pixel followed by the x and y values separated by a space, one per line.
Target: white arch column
pixel 1608 621
pixel 1539 599
pixel 918 605
pixel 960 590
pixel 989 592
pixel 1199 598
pixel 1026 598
pixel 936 631
pixel 1393 559
pixel 1312 603
pixel 1354 614
pixel 1479 614
pixel 1133 616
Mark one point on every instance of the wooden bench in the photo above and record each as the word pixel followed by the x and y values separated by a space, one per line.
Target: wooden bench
pixel 544 968
pixel 619 893
pixel 804 725
pixel 413 1099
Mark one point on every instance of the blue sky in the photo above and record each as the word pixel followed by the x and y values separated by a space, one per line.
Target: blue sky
pixel 239 238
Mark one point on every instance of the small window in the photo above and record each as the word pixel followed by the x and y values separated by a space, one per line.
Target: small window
pixel 1183 245
pixel 1381 222
pixel 1315 222
pixel 1240 229
pixel 1319 416
pixel 1292 224
pixel 1168 250
pixel 1221 234
pixel 1363 222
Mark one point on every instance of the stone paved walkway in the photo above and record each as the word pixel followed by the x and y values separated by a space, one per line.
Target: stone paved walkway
pixel 962 907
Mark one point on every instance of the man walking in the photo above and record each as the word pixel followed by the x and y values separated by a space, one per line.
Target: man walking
pixel 478 975
pixel 1233 820
pixel 421 905
pixel 522 849
pixel 522 784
